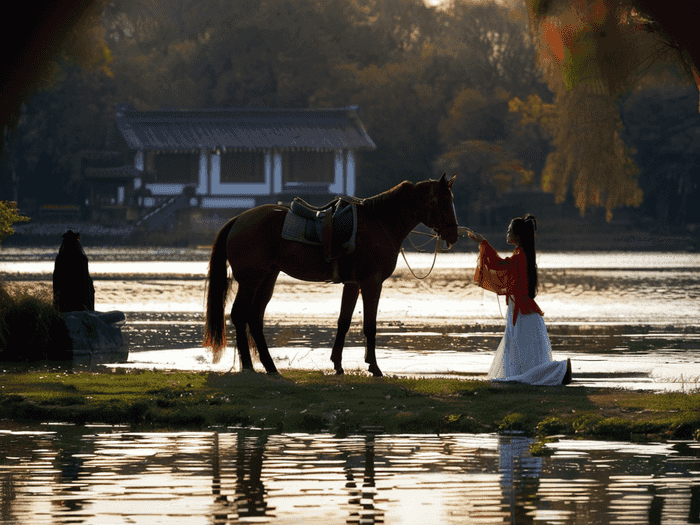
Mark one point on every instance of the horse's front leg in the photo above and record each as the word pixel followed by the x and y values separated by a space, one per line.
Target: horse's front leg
pixel 347 306
pixel 370 300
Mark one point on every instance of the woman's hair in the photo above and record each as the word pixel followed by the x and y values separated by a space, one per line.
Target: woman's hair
pixel 525 228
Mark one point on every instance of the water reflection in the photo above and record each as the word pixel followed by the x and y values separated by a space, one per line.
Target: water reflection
pixel 639 356
pixel 248 499
pixel 520 476
pixel 362 495
pixel 83 475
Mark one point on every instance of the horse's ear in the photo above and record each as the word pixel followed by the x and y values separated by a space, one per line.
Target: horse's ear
pixel 443 179
pixel 451 181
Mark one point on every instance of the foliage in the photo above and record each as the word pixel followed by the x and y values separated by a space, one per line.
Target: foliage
pixel 553 425
pixel 408 66
pixel 609 44
pixel 487 170
pixel 539 449
pixel 9 215
pixel 31 329
pixel 593 52
pixel 663 130
pixel 67 33
pixel 590 158
pixel 433 86
pixel 514 423
pixel 54 129
pixel 534 110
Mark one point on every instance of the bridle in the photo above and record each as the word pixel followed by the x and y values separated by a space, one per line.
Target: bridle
pixel 432 203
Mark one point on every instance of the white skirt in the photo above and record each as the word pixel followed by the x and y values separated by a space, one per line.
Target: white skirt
pixel 525 353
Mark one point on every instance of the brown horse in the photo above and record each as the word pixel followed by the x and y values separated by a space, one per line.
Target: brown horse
pixel 256 252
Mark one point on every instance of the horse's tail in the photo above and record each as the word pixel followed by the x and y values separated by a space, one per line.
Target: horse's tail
pixel 218 285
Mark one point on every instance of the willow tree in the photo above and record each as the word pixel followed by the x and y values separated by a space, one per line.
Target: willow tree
pixel 592 52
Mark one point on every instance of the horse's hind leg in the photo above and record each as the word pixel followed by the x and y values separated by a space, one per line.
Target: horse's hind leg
pixel 255 321
pixel 347 306
pixel 240 313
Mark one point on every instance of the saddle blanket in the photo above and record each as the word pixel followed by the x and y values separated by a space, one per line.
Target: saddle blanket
pixel 309 230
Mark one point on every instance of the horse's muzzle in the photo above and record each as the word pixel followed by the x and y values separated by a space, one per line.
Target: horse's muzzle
pixel 449 234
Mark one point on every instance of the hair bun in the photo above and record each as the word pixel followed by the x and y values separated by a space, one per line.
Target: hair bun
pixel 532 219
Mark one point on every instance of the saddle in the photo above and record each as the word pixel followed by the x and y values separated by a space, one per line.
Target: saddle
pixel 333 225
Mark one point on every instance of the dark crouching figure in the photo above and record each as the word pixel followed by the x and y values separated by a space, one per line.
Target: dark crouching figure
pixel 72 285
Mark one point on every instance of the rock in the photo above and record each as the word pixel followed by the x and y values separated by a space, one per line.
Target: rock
pixel 97 336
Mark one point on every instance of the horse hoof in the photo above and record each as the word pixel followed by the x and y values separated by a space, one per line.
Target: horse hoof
pixel 273 373
pixel 375 371
pixel 339 371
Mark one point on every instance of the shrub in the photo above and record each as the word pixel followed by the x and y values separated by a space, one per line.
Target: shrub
pixel 514 423
pixel 553 425
pixel 31 329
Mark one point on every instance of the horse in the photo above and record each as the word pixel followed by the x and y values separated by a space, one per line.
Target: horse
pixel 252 245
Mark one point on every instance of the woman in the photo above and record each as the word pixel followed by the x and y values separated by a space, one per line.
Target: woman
pixel 525 353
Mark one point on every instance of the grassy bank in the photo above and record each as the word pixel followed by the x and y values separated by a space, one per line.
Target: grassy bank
pixel 31 329
pixel 308 401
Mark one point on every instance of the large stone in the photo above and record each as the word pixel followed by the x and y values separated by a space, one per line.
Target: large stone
pixel 97 337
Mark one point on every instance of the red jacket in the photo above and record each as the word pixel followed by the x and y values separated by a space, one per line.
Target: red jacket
pixel 506 277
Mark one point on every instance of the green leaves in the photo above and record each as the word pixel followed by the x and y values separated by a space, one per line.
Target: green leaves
pixel 9 215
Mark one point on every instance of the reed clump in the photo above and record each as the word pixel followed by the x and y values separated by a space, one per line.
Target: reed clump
pixel 31 328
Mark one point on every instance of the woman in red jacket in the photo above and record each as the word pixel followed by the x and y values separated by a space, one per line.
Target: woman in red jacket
pixel 525 353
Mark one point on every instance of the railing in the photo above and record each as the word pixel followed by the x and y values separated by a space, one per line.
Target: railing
pixel 161 216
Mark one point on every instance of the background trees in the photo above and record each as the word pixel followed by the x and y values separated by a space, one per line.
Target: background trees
pixel 454 88
pixel 595 53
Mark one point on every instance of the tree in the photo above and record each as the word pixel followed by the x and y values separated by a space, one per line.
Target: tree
pixel 486 171
pixel 665 136
pixel 45 39
pixel 598 170
pixel 593 52
pixel 9 215
pixel 480 140
pixel 54 127
pixel 608 43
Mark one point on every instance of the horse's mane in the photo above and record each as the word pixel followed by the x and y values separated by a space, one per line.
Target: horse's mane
pixel 401 191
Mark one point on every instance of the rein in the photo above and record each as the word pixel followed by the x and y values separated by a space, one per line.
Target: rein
pixel 437 245
pixel 432 236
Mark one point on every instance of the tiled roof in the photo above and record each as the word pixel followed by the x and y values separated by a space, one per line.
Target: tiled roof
pixel 250 128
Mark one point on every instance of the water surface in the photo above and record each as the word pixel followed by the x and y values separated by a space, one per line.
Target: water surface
pixel 103 475
pixel 625 319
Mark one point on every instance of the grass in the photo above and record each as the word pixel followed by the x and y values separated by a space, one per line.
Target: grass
pixel 31 329
pixel 309 401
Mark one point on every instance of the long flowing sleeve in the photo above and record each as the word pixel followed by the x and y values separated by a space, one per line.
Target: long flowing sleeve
pixel 506 276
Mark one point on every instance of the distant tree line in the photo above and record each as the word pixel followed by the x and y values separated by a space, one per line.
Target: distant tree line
pixel 453 89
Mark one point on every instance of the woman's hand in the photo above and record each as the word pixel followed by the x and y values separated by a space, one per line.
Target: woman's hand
pixel 475 236
pixel 464 231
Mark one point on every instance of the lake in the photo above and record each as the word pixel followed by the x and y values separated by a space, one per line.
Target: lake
pixel 60 474
pixel 628 319
pixel 625 319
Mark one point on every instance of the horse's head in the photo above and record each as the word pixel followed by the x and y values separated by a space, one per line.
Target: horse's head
pixel 441 211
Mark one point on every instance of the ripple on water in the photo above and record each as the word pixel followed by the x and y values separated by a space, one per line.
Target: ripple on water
pixel 73 474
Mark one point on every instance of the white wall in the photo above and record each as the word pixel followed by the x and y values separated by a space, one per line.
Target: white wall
pixel 239 188
pixel 338 188
pixel 350 173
